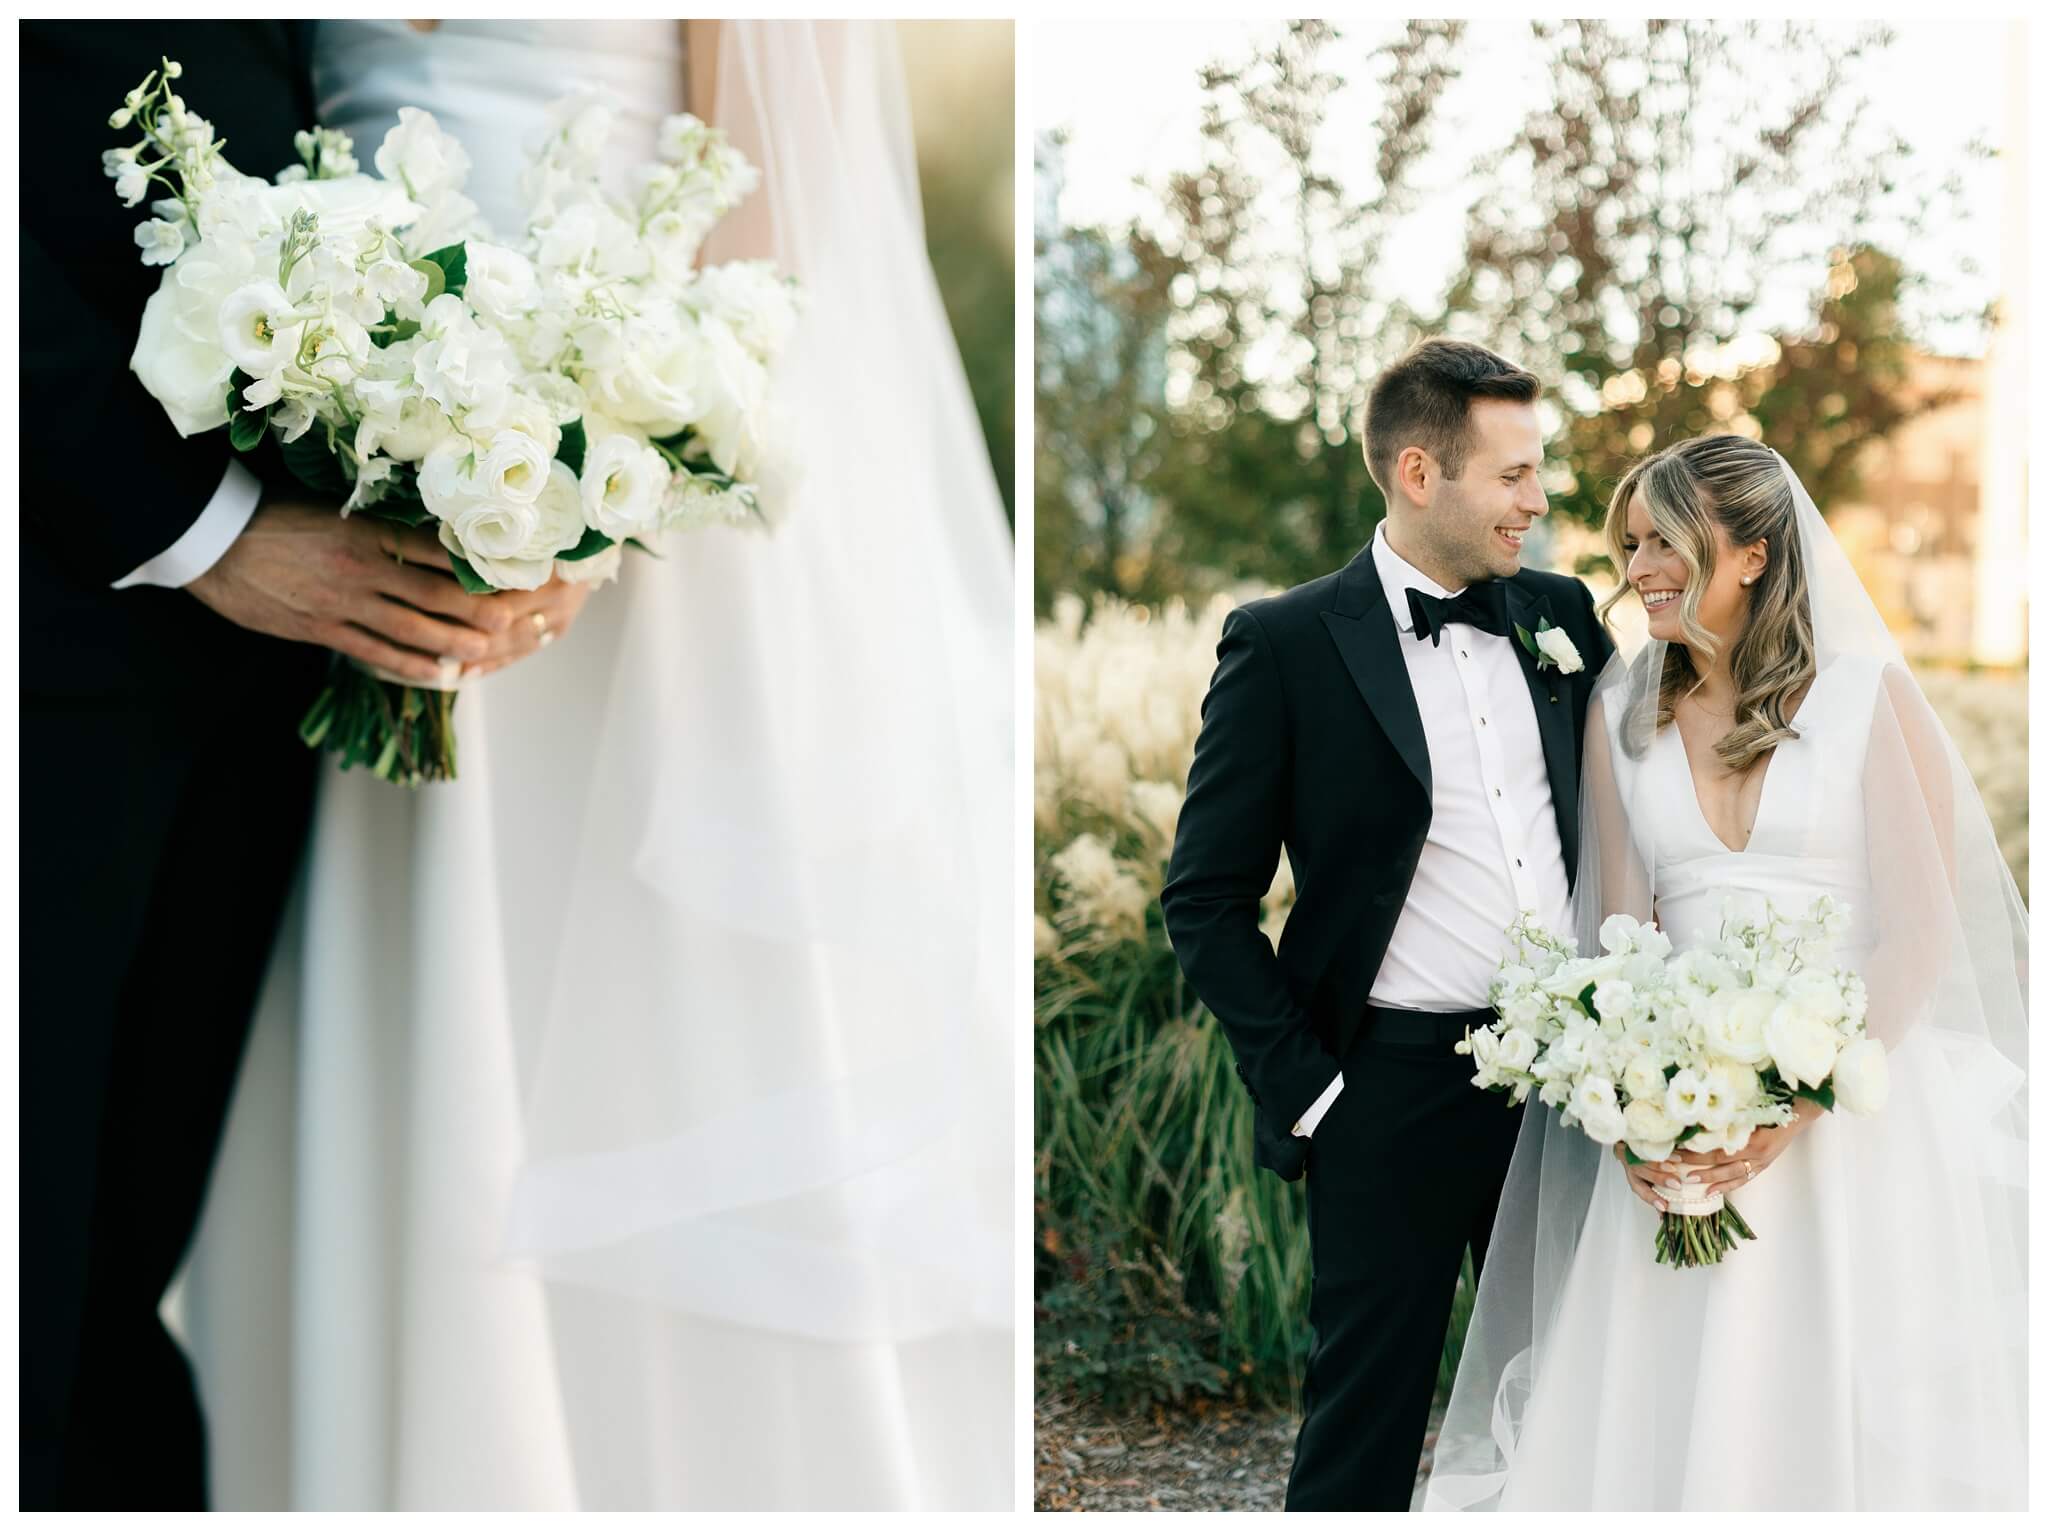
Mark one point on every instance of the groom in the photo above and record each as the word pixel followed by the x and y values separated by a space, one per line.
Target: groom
pixel 1418 758
pixel 164 791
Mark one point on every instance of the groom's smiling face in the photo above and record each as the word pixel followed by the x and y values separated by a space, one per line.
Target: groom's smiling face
pixel 1471 527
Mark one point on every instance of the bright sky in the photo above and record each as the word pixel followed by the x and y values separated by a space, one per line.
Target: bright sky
pixel 1128 95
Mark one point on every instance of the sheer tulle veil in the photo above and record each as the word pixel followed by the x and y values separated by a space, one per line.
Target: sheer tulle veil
pixel 1939 1340
pixel 772 1086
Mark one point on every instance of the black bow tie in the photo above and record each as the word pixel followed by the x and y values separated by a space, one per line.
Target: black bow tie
pixel 1481 606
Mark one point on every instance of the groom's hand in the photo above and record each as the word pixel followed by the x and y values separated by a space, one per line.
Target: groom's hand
pixel 378 592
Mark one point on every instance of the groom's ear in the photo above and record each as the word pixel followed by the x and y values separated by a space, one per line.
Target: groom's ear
pixel 1415 474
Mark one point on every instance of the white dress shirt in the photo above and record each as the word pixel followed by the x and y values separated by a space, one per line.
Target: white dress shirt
pixel 226 514
pixel 1492 850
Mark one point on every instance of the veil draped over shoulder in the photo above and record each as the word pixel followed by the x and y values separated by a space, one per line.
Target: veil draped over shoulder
pixel 1927 1272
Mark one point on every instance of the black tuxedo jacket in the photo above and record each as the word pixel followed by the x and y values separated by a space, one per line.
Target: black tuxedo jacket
pixel 1311 739
pixel 107 483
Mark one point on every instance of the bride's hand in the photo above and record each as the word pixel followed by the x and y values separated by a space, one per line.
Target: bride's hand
pixel 556 605
pixel 1644 1178
pixel 1728 1172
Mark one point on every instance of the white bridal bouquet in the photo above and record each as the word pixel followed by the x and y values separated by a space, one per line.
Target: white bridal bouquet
pixel 1696 1051
pixel 543 402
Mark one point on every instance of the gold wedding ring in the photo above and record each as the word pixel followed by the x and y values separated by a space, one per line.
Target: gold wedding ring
pixel 1748 1170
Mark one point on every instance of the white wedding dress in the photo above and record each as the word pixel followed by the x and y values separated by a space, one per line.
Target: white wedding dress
pixel 1868 1348
pixel 628 1123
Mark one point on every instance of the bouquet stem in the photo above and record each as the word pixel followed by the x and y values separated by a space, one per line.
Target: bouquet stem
pixel 1686 1240
pixel 403 734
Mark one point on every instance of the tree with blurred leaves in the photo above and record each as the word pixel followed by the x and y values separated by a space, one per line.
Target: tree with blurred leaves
pixel 1679 168
pixel 1621 243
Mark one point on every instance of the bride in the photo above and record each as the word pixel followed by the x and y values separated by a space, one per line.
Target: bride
pixel 1868 1349
pixel 627 1123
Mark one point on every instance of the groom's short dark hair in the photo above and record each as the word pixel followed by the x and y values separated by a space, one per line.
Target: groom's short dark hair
pixel 1425 398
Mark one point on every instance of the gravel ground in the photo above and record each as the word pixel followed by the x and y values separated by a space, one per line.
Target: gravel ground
pixel 1209 1456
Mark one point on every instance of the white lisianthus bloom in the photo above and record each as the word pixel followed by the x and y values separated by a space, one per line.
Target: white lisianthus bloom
pixel 161 242
pixel 1559 650
pixel 514 467
pixel 1733 1023
pixel 421 157
pixel 497 529
pixel 624 484
pixel 1517 1050
pixel 500 283
pixel 447 477
pixel 1801 1045
pixel 1598 1109
pixel 502 573
pixel 1722 1094
pixel 1862 1077
pixel 1685 1097
pixel 258 330
pixel 528 414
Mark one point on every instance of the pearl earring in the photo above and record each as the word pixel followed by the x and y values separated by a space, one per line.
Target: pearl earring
pixel 1749 579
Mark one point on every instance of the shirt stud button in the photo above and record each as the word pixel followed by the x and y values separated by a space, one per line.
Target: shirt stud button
pixel 1518 861
pixel 1496 792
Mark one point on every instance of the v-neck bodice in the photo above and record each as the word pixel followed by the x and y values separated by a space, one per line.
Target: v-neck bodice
pixel 1808 835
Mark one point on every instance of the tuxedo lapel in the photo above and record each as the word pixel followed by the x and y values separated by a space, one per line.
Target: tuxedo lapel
pixel 1553 721
pixel 1363 629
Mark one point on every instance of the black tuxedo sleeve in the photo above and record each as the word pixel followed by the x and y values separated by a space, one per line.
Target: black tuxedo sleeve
pixel 107 482
pixel 1224 855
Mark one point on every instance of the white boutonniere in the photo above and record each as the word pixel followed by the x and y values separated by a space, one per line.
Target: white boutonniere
pixel 1551 647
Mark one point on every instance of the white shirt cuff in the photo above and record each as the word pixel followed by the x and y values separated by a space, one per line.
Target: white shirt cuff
pixel 1306 1127
pixel 226 514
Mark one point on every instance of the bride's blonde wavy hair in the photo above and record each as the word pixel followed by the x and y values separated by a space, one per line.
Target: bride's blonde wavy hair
pixel 1740 484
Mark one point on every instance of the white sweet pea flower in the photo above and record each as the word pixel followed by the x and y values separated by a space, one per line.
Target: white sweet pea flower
pixel 371 472
pixel 131 182
pixel 422 158
pixel 460 365
pixel 398 422
pixel 624 484
pixel 500 284
pixel 1862 1077
pixel 258 329
pixel 161 242
pixel 1618 933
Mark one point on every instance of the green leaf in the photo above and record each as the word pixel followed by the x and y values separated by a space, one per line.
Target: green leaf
pixel 471 581
pixel 1630 1154
pixel 635 542
pixel 245 426
pixel 436 275
pixel 314 464
pixel 593 543
pixel 395 329
pixel 1586 1002
pixel 570 453
pixel 454 263
pixel 1822 1094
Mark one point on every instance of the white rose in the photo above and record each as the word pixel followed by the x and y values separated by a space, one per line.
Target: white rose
pixel 1517 1050
pixel 1558 649
pixel 257 328
pixel 1598 1109
pixel 624 484
pixel 178 356
pixel 1818 994
pixel 1862 1077
pixel 1734 1021
pixel 422 158
pixel 1616 1000
pixel 1644 1080
pixel 1652 1134
pixel 1801 1045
